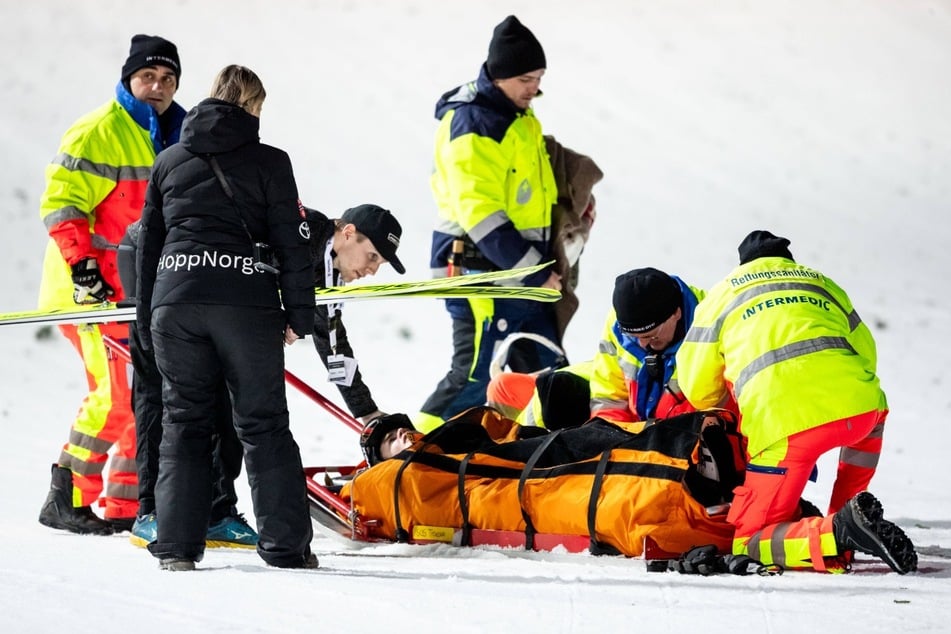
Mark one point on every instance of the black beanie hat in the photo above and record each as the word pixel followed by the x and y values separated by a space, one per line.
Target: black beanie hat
pixel 644 299
pixel 513 50
pixel 372 434
pixel 151 50
pixel 763 244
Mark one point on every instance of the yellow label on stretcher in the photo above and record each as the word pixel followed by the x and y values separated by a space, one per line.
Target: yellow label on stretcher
pixel 434 533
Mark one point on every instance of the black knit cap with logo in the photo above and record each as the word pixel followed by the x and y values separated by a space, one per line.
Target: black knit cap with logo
pixel 514 50
pixel 381 228
pixel 151 50
pixel 644 299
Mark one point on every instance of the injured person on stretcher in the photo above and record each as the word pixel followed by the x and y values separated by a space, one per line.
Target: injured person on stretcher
pixel 480 470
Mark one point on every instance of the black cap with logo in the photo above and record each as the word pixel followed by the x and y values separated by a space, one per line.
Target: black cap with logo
pixel 380 227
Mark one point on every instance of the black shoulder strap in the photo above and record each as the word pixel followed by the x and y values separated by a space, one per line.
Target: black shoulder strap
pixel 595 546
pixel 226 186
pixel 463 500
pixel 529 526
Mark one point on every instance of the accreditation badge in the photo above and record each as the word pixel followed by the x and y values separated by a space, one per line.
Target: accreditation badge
pixel 341 369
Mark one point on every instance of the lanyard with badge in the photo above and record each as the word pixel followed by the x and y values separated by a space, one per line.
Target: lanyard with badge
pixel 340 368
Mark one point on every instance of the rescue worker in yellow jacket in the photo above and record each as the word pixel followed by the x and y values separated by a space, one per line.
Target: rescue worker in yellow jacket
pixel 634 373
pixel 95 187
pixel 494 186
pixel 786 342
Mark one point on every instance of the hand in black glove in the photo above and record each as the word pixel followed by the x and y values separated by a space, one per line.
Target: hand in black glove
pixel 699 560
pixel 704 560
pixel 89 287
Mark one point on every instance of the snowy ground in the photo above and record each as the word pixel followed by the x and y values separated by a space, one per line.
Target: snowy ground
pixel 824 121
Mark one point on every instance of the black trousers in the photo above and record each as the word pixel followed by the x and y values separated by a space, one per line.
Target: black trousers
pixel 195 347
pixel 147 406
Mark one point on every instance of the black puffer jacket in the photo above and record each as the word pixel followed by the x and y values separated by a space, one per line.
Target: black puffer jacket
pixel 193 247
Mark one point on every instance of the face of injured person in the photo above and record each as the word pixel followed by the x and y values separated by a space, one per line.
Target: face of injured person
pixel 395 441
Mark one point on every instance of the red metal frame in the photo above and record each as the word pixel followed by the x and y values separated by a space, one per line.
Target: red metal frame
pixel 361 529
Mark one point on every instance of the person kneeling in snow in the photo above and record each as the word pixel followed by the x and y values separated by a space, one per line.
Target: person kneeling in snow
pixel 785 342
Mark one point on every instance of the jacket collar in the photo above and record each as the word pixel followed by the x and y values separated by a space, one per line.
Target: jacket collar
pixel 164 131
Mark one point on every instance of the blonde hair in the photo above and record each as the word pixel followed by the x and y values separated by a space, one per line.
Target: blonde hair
pixel 238 85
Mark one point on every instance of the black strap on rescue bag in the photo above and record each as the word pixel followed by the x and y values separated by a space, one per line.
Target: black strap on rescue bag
pixel 402 535
pixel 464 501
pixel 529 527
pixel 594 546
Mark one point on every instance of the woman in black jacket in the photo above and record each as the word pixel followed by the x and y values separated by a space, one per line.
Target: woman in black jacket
pixel 225 278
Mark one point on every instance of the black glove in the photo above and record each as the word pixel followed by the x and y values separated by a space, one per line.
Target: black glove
pixel 89 287
pixel 699 560
pixel 703 560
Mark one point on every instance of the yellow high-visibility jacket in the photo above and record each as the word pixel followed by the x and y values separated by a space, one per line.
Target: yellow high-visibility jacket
pixel 95 188
pixel 622 389
pixel 786 342
pixel 492 180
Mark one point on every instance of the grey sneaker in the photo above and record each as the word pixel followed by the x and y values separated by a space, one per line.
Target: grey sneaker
pixel 176 564
pixel 859 526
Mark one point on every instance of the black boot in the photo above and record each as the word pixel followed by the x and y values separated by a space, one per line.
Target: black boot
pixel 58 510
pixel 859 526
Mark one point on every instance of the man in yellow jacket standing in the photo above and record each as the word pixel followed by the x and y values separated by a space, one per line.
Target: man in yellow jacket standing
pixel 494 186
pixel 95 187
pixel 785 341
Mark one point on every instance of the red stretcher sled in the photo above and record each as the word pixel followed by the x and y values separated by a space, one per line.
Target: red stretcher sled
pixel 335 514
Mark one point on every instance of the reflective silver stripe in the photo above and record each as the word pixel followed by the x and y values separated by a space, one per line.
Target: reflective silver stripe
pixel 752 546
pixel 62 215
pixel 878 431
pixel 606 403
pixel 529 420
pixel 628 368
pixel 95 445
pixel 535 235
pixel 712 333
pixel 79 466
pixel 674 386
pixel 854 457
pixel 488 225
pixel 121 491
pixel 787 352
pixel 450 227
pixel 493 222
pixel 531 258
pixel 852 316
pixel 99 242
pixel 777 544
pixel 112 172
pixel 465 93
pixel 607 347
pixel 122 464
pixel 698 334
